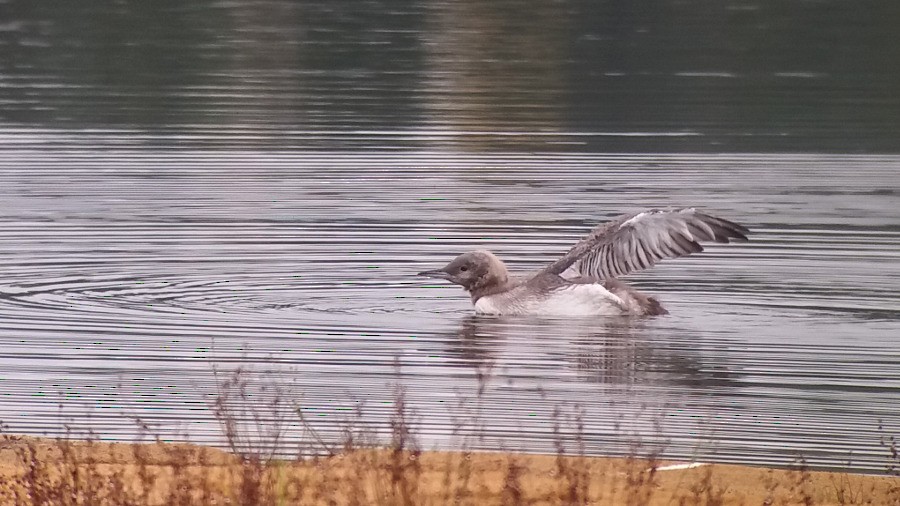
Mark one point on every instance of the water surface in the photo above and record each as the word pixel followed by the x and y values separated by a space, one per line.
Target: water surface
pixel 128 275
pixel 211 185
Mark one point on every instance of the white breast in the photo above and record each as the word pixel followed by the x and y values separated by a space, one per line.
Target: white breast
pixel 485 305
pixel 572 300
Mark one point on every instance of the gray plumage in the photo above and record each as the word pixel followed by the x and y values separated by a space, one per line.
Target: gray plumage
pixel 584 280
pixel 638 241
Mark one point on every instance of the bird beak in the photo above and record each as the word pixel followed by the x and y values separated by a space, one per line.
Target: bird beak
pixel 437 273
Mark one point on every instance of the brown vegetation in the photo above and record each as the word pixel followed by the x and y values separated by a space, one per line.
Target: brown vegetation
pixel 58 472
pixel 41 471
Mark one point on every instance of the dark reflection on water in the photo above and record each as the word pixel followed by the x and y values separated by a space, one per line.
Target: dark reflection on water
pixel 661 76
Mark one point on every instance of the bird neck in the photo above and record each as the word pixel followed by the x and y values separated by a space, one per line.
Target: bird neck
pixel 496 281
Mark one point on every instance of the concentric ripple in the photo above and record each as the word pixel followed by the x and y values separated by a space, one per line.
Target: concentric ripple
pixel 128 275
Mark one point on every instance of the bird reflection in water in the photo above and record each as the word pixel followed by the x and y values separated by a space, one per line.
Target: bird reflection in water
pixel 621 352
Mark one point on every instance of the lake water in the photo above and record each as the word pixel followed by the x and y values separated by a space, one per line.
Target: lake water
pixel 255 185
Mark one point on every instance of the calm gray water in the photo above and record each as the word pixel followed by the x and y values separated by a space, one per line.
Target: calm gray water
pixel 254 184
pixel 128 274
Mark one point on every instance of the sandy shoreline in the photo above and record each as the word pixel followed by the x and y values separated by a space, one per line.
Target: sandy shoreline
pixel 188 474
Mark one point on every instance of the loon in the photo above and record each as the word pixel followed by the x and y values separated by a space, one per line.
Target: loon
pixel 583 282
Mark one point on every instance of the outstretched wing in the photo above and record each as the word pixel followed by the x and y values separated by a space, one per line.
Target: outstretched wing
pixel 638 241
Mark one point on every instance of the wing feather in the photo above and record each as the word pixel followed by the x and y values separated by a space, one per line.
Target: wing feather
pixel 638 241
pixel 643 260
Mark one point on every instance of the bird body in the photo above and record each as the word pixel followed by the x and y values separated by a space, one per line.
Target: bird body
pixel 570 299
pixel 583 282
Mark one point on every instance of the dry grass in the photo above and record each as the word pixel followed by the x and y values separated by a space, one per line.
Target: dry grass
pixel 357 471
pixel 44 472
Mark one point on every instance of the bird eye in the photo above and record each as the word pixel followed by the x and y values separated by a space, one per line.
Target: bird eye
pixel 463 268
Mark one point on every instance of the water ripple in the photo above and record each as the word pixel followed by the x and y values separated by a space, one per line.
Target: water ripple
pixel 128 273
